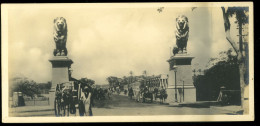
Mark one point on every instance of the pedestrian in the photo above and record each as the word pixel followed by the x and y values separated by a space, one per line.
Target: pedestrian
pixel 86 101
pixel 109 93
pixel 125 92
pixel 131 93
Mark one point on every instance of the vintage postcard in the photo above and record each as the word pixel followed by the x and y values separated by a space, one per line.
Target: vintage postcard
pixel 127 62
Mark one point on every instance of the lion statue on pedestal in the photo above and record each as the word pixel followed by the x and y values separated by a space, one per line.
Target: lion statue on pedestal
pixel 182 33
pixel 60 36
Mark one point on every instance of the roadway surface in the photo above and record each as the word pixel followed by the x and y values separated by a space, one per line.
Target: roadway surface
pixel 120 105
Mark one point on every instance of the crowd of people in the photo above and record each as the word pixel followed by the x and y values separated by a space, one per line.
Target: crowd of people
pixel 91 95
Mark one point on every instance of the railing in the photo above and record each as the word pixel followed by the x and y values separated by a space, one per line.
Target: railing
pixel 37 102
pixel 40 101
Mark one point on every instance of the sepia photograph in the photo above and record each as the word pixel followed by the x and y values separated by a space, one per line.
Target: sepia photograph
pixel 127 62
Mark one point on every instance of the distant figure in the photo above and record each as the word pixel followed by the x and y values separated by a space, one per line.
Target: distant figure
pixel 131 92
pixel 118 91
pixel 125 92
pixel 146 89
pixel 109 93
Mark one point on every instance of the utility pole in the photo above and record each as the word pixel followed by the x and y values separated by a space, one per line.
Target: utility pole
pixel 175 71
pixel 183 90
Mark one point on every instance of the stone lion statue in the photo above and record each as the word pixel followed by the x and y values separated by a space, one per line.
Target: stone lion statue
pixel 175 50
pixel 182 32
pixel 60 36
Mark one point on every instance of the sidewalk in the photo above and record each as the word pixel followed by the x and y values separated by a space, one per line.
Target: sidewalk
pixel 232 109
pixel 30 109
pixel 213 105
pixel 198 104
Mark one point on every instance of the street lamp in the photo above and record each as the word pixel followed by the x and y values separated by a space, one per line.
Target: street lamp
pixel 70 72
pixel 183 90
pixel 175 71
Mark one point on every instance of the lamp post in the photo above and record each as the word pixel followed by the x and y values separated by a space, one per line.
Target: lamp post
pixel 70 73
pixel 175 71
pixel 183 90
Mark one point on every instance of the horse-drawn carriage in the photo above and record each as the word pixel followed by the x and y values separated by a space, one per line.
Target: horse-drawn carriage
pixel 161 94
pixel 153 93
pixel 146 94
pixel 148 91
pixel 67 97
pixel 140 92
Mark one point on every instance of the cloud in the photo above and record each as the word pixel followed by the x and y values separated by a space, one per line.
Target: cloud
pixel 108 41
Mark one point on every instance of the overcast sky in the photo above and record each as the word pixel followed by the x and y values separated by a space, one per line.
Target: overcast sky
pixel 106 42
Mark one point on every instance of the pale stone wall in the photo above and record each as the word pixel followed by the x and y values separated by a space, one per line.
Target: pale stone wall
pixel 183 79
pixel 60 74
pixel 189 95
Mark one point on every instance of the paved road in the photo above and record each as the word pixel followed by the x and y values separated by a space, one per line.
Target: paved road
pixel 120 105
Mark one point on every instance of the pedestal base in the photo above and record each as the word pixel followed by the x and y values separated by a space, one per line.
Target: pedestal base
pixel 189 94
pixel 60 74
pixel 180 76
pixel 51 98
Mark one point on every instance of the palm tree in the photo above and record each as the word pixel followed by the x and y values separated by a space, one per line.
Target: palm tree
pixel 131 76
pixel 131 73
pixel 145 73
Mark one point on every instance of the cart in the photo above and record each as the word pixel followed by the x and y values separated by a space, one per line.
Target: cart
pixel 67 98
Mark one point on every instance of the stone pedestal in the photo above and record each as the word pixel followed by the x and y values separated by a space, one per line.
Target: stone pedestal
pixel 60 74
pixel 186 92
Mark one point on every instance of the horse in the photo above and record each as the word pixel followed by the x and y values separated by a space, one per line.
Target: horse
pixel 155 92
pixel 66 101
pixel 147 94
pixel 57 102
pixel 162 95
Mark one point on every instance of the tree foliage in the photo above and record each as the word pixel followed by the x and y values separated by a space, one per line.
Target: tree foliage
pixel 225 73
pixel 242 17
pixel 46 86
pixel 113 81
pixel 87 81
pixel 117 81
pixel 24 85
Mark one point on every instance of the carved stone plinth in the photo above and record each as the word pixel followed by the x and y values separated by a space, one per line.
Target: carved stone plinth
pixel 60 73
pixel 183 79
